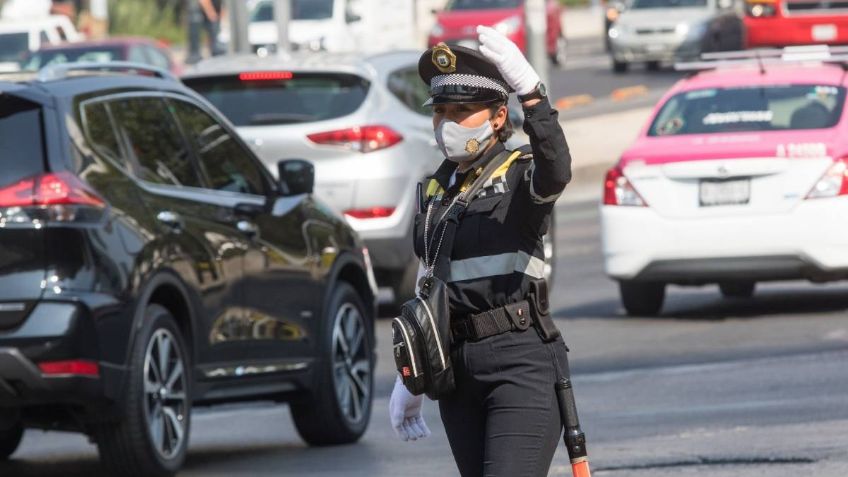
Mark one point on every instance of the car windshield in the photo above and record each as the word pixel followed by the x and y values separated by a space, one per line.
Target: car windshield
pixel 759 108
pixel 639 4
pixel 13 46
pixel 300 10
pixel 283 98
pixel 94 54
pixel 482 4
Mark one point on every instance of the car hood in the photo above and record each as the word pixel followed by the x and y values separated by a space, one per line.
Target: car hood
pixel 769 144
pixel 658 18
pixel 472 18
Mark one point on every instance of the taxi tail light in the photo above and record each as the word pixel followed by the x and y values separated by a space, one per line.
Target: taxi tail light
pixel 833 183
pixel 619 191
pixel 361 139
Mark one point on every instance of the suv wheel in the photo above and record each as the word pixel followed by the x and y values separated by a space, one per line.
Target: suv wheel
pixel 620 66
pixel 152 437
pixel 338 410
pixel 642 298
pixel 10 439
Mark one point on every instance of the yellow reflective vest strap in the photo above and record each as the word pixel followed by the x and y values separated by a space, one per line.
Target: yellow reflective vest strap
pixel 434 188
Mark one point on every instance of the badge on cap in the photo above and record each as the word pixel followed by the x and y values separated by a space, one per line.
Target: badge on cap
pixel 444 59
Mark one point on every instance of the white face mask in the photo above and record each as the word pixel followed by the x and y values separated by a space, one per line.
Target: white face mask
pixel 459 143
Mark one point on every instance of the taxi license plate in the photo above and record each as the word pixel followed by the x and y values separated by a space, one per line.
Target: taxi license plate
pixel 724 192
pixel 826 32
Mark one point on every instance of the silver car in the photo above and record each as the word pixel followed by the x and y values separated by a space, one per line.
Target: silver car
pixel 359 119
pixel 657 31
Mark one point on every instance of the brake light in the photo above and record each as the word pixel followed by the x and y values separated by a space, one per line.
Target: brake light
pixel 833 183
pixel 362 139
pixel 48 189
pixel 266 76
pixel 372 213
pixel 619 191
pixel 70 368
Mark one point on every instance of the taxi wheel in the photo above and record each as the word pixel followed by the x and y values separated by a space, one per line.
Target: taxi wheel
pixel 653 65
pixel 642 298
pixel 10 439
pixel 739 289
pixel 620 66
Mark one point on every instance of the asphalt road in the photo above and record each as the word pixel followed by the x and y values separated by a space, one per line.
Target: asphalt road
pixel 712 387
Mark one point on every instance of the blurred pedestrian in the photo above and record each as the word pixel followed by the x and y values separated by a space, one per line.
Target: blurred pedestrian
pixel 501 419
pixel 204 15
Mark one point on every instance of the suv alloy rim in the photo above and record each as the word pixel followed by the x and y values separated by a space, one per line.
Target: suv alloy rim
pixel 165 398
pixel 351 363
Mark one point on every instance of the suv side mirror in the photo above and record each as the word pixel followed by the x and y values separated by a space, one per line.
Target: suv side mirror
pixel 352 17
pixel 297 176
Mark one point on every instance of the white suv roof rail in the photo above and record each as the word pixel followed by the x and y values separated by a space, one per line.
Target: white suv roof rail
pixel 61 71
pixel 761 57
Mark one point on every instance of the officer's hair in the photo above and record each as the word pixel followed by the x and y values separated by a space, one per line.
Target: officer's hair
pixel 505 132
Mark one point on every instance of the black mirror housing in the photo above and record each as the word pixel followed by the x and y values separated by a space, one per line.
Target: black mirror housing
pixel 296 176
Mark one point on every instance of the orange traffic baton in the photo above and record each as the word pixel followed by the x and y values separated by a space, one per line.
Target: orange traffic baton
pixel 575 440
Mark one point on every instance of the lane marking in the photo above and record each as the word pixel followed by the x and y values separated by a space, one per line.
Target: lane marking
pixel 629 92
pixel 569 102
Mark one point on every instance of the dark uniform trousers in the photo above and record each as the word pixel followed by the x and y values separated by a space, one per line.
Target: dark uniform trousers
pixel 503 419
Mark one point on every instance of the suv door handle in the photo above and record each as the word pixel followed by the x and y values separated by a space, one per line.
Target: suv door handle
pixel 247 227
pixel 171 219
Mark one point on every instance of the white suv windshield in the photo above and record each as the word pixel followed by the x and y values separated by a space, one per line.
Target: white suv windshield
pixel 255 99
pixel 638 4
pixel 300 10
pixel 13 46
pixel 760 108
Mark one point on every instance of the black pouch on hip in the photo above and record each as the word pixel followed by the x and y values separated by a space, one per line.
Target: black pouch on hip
pixel 542 319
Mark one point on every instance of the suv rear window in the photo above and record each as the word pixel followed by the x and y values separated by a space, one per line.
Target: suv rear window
pixel 299 98
pixel 19 120
pixel 759 108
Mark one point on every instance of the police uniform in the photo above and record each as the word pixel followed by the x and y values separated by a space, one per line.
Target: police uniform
pixel 502 420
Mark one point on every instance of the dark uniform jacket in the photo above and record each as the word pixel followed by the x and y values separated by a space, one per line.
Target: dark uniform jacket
pixel 498 246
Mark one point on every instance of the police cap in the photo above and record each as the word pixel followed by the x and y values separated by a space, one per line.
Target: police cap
pixel 461 75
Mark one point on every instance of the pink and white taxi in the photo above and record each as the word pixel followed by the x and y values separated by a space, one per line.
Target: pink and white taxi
pixel 740 176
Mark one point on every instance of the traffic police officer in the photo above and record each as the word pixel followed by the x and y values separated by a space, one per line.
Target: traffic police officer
pixel 502 419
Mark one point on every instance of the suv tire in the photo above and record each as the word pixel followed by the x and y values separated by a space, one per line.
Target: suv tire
pixel 151 438
pixel 737 289
pixel 642 298
pixel 10 439
pixel 620 66
pixel 339 408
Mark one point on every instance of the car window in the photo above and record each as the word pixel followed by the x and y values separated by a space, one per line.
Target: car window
pixel 761 108
pixel 228 165
pixel 639 4
pixel 20 119
pixel 300 10
pixel 13 46
pixel 157 58
pixel 43 38
pixel 99 131
pixel 155 146
pixel 482 4
pixel 136 55
pixel 282 97
pixel 42 58
pixel 407 86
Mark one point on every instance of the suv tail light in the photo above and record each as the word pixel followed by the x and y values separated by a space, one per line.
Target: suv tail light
pixel 619 191
pixel 833 183
pixel 362 139
pixel 59 197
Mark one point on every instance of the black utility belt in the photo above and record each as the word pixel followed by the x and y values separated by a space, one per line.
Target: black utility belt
pixel 513 317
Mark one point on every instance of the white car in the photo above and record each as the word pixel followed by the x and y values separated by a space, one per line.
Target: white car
pixel 740 176
pixel 20 36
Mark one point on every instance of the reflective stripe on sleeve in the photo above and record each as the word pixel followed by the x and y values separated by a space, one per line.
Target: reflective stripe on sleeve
pixel 538 199
pixel 494 265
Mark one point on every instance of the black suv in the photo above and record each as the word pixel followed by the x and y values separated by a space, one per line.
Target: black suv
pixel 149 263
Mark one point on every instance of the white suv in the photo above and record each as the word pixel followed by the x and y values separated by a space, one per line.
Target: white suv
pixel 19 37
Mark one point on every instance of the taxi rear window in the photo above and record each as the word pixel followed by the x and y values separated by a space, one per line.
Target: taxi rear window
pixel 760 108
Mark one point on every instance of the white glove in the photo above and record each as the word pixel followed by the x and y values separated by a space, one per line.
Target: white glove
pixel 405 413
pixel 514 68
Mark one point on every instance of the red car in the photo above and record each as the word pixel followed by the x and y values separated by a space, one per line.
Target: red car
pixel 795 22
pixel 457 24
pixel 135 49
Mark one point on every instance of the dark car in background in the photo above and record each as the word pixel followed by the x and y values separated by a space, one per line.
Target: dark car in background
pixel 149 263
pixel 134 49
